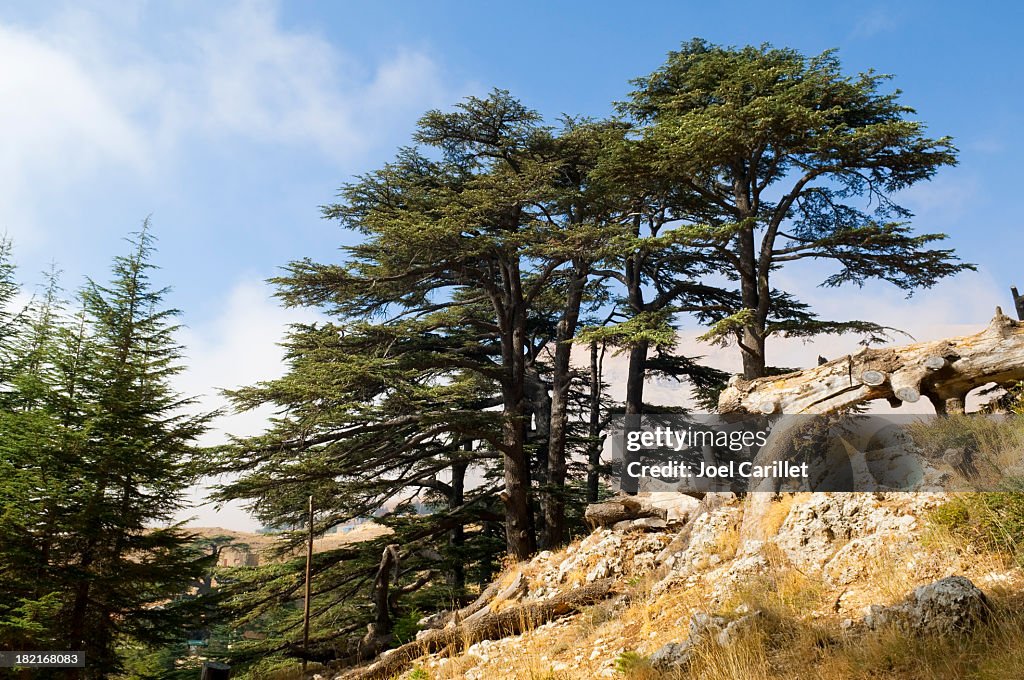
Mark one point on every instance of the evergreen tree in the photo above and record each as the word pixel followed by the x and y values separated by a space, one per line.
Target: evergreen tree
pixel 777 157
pixel 133 469
pixel 9 317
pixel 94 458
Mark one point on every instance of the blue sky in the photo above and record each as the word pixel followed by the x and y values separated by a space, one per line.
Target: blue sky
pixel 230 123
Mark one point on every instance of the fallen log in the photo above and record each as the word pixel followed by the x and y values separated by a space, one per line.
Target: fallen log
pixel 619 509
pixel 487 626
pixel 492 594
pixel 943 371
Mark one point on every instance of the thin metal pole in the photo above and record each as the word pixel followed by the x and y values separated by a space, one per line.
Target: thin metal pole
pixel 309 582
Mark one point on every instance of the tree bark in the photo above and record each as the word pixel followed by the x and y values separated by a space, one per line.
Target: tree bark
pixel 456 575
pixel 520 537
pixel 636 372
pixel 594 426
pixel 944 371
pixel 752 347
pixel 554 505
pixel 381 589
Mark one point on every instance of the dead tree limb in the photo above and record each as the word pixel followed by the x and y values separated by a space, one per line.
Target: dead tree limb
pixel 492 594
pixel 488 626
pixel 943 371
pixel 619 509
pixel 386 572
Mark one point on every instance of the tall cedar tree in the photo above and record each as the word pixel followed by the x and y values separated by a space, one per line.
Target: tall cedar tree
pixel 475 222
pixel 778 157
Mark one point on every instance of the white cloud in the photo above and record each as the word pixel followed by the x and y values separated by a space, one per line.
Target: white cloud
pixel 251 77
pixel 57 125
pixel 89 93
pixel 239 347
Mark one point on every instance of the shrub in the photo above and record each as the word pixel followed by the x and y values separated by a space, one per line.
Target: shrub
pixel 990 521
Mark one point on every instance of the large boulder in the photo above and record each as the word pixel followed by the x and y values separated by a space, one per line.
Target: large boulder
pixel 949 606
pixel 673 656
pixel 815 529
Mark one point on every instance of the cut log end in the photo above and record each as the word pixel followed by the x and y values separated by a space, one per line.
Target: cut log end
pixel 872 378
pixel 908 395
pixel 934 363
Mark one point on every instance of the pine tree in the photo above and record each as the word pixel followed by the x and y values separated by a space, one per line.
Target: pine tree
pixel 133 467
pixel 94 449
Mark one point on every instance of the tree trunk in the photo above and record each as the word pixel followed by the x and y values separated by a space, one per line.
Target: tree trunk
pixel 456 576
pixel 539 401
pixel 636 372
pixel 387 570
pixel 752 351
pixel 944 371
pixel 554 506
pixel 520 537
pixel 594 426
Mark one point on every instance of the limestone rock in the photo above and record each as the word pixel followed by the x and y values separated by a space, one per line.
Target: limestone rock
pixel 949 606
pixel 673 656
pixel 679 508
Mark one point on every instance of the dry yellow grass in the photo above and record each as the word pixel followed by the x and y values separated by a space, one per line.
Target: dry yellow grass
pixel 775 515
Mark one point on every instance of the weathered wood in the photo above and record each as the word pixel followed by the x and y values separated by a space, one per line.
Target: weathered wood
pixel 387 570
pixel 442 619
pixel 944 371
pixel 619 509
pixel 1018 302
pixel 512 591
pixel 491 626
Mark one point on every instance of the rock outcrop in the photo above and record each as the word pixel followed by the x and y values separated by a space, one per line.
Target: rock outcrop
pixel 949 606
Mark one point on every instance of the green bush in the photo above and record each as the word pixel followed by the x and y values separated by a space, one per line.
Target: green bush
pixel 628 663
pixel 991 521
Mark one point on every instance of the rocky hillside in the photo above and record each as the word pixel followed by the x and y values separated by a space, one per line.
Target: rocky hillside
pixel 807 585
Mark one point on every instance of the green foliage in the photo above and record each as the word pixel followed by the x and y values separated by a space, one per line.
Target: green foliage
pixel 775 157
pixel 94 452
pixel 991 521
pixel 407 625
pixel 974 433
pixel 630 663
pixel 649 327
